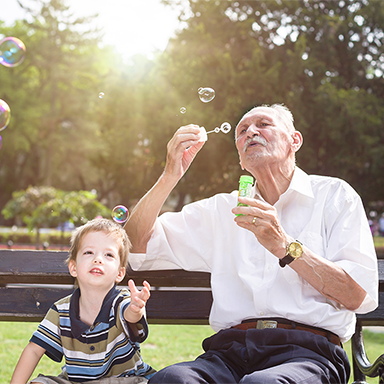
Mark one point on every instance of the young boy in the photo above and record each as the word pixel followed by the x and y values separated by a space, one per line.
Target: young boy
pixel 98 328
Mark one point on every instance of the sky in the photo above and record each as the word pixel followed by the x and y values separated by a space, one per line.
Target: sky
pixel 133 26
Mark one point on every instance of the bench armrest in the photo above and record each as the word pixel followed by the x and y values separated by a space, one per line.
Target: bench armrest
pixel 361 365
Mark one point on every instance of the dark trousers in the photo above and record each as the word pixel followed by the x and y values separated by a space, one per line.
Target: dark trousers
pixel 262 356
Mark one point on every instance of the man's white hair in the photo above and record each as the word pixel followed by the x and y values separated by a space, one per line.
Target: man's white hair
pixel 282 112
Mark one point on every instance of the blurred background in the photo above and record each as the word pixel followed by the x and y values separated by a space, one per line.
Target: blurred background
pixel 104 86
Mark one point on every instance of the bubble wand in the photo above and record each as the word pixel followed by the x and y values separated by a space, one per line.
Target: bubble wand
pixel 225 128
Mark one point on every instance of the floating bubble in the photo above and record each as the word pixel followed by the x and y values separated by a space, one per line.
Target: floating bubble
pixel 225 127
pixel 101 95
pixel 12 52
pixel 120 214
pixel 183 110
pixel 206 94
pixel 5 114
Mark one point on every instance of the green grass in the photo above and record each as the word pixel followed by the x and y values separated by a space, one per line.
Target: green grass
pixel 379 241
pixel 167 344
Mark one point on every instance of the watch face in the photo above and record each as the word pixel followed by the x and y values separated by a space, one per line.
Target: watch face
pixel 295 249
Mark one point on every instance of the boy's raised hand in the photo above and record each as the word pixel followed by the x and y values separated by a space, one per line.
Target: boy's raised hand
pixel 138 298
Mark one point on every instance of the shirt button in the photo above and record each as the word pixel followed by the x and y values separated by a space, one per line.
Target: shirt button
pixel 92 348
pixel 261 313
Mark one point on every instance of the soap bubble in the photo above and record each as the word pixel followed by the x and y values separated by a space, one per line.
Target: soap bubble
pixel 183 110
pixel 120 214
pixel 225 127
pixel 12 52
pixel 206 94
pixel 101 95
pixel 5 114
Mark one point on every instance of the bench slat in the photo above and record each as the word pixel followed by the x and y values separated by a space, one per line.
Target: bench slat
pixel 48 267
pixel 165 306
pixel 376 317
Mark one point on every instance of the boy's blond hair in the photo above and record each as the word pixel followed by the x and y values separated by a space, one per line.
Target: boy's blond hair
pixel 106 226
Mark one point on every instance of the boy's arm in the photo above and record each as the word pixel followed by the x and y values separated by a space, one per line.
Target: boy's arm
pixel 27 363
pixel 136 309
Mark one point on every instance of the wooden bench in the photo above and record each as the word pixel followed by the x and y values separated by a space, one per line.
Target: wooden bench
pixel 30 281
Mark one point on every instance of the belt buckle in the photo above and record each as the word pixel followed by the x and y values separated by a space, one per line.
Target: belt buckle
pixel 262 324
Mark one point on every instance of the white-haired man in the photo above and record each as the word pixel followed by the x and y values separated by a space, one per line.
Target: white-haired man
pixel 287 275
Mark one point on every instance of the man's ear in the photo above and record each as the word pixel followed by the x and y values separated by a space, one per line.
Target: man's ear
pixel 297 141
pixel 72 268
pixel 120 275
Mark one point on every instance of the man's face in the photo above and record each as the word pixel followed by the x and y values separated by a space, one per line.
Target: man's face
pixel 262 136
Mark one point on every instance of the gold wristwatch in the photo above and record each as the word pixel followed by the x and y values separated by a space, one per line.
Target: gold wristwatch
pixel 294 251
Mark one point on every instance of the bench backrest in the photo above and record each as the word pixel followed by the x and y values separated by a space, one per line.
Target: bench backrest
pixel 30 281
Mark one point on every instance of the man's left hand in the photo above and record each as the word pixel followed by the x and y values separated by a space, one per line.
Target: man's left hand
pixel 261 219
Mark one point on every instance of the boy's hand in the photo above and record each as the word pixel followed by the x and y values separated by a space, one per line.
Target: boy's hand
pixel 138 298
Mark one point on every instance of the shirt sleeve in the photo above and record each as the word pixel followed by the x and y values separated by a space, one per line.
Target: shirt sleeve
pixel 141 325
pixel 184 240
pixel 350 244
pixel 48 335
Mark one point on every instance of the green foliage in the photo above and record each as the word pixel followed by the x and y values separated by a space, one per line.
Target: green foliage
pixel 46 206
pixel 25 203
pixel 323 59
pixel 75 207
pixel 320 58
pixel 50 99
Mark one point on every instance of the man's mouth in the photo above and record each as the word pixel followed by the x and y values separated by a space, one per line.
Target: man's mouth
pixel 251 142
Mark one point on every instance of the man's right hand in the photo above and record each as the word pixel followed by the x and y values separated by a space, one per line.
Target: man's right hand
pixel 181 150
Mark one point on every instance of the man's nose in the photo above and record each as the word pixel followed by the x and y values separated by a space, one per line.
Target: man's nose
pixel 253 130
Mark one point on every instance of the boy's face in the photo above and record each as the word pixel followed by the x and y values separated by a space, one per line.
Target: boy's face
pixel 97 261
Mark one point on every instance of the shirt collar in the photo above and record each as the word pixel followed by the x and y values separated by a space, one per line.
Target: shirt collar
pixel 77 326
pixel 300 183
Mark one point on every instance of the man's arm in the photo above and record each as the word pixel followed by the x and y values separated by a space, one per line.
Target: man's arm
pixel 325 276
pixel 329 279
pixel 181 150
pixel 27 363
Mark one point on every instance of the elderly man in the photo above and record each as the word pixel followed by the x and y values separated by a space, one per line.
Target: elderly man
pixel 287 275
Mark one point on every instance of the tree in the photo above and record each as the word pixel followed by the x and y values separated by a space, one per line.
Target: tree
pixel 51 96
pixel 45 206
pixel 321 58
pixel 217 52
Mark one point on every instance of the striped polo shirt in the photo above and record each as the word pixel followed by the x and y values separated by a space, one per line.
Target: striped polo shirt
pixel 108 348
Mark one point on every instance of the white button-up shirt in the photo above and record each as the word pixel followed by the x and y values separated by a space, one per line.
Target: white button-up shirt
pixel 323 213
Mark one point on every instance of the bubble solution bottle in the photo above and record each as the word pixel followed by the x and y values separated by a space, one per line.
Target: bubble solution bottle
pixel 245 189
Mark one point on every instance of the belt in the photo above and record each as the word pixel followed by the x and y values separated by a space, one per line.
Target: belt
pixel 287 324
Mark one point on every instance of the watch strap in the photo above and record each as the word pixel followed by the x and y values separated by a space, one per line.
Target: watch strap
pixel 286 260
